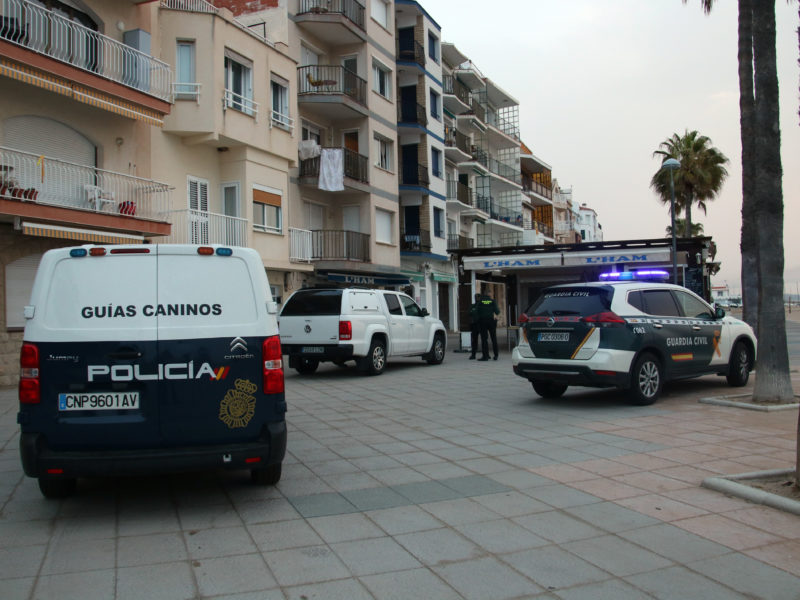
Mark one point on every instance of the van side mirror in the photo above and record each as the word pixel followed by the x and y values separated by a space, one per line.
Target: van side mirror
pixel 272 307
pixel 719 312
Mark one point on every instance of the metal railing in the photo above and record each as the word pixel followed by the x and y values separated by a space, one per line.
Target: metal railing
pixel 281 120
pixel 41 180
pixel 330 79
pixel 479 155
pixel 412 112
pixel 200 6
pixel 350 9
pixel 529 185
pixel 415 241
pixel 411 51
pixel 504 170
pixel 459 242
pixel 542 228
pixel 509 128
pixel 300 245
pixel 477 110
pixel 333 244
pixel 248 106
pixel 50 34
pixel 453 138
pixel 356 166
pixel 202 227
pixel 415 174
pixel 186 91
pixel 453 87
pixel 459 191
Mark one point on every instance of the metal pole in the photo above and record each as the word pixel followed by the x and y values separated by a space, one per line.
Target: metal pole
pixel 674 240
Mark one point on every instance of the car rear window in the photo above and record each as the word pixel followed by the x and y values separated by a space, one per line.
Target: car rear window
pixel 580 301
pixel 313 302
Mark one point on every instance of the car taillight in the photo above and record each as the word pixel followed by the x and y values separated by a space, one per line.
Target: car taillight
pixel 272 360
pixel 523 318
pixel 604 319
pixel 345 330
pixel 29 388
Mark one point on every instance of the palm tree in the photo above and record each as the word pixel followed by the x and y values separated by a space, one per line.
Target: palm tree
pixel 697 228
pixel 699 178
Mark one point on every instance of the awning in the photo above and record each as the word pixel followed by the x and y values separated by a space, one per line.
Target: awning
pixel 369 278
pixel 512 261
pixel 80 93
pixel 85 235
pixel 619 257
pixel 444 277
pixel 413 275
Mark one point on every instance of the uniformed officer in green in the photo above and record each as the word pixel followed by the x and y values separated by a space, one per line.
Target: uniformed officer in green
pixel 487 309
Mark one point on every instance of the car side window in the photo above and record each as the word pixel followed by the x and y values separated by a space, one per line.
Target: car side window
pixel 661 303
pixel 393 304
pixel 692 306
pixel 412 310
pixel 635 300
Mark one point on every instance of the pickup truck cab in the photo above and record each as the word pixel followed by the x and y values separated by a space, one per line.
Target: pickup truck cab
pixel 366 326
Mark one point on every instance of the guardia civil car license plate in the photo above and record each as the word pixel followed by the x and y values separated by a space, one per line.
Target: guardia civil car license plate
pixel 98 401
pixel 553 336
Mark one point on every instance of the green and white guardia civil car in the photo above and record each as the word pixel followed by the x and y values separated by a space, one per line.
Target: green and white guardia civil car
pixel 631 335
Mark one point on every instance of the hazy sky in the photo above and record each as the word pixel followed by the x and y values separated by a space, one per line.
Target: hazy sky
pixel 602 83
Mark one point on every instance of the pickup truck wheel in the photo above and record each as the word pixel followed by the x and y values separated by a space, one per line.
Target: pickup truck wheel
pixel 306 366
pixel 267 476
pixel 436 355
pixel 375 361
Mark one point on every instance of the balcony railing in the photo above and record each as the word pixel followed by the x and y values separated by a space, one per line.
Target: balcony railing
pixel 415 174
pixel 510 128
pixel 41 180
pixel 504 170
pixel 332 244
pixel 529 185
pixel 459 242
pixel 248 106
pixel 200 6
pixel 479 155
pixel 412 112
pixel 452 86
pixel 415 241
pixel 453 138
pixel 201 227
pixel 331 79
pixel 50 34
pixel 350 9
pixel 542 228
pixel 300 245
pixel 459 191
pixel 477 109
pixel 411 51
pixel 356 166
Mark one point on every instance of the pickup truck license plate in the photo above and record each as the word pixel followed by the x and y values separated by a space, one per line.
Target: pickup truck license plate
pixel 98 401
pixel 553 336
pixel 312 349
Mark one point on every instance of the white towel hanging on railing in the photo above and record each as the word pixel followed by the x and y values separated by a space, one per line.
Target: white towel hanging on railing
pixel 331 170
pixel 308 149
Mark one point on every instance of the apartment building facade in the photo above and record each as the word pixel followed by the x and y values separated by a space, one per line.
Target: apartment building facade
pixel 589 225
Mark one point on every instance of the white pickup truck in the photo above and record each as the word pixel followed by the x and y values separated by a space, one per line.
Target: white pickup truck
pixel 366 326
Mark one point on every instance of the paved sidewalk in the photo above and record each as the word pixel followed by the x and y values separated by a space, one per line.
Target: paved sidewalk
pixel 433 482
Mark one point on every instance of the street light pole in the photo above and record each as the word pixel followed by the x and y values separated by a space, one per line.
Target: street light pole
pixel 671 164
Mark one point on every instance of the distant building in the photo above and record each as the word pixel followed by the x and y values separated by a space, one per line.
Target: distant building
pixel 588 225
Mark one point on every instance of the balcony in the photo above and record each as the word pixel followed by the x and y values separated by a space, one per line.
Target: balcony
pixel 539 227
pixel 530 186
pixel 50 35
pixel 356 168
pixel 456 95
pixel 411 51
pixel 456 145
pixel 459 192
pixel 415 241
pixel 331 91
pixel 332 244
pixel 334 22
pixel 202 227
pixel 48 182
pixel 505 171
pixel 201 6
pixel 415 174
pixel 459 242
pixel 411 113
pixel 300 245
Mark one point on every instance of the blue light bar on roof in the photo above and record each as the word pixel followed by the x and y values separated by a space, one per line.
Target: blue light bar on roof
pixel 646 274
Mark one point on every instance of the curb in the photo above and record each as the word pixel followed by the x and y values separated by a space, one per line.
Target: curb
pixel 730 485
pixel 722 401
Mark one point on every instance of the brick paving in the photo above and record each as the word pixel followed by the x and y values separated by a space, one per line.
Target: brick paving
pixel 451 481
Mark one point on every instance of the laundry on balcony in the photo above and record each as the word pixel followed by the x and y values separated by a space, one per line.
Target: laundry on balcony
pixel 308 149
pixel 331 170
pixel 98 198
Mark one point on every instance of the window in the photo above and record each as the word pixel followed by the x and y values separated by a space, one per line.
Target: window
pixel 185 86
pixel 239 83
pixel 380 13
pixel 383 152
pixel 693 307
pixel 412 310
pixel 436 159
pixel 383 226
pixel 661 303
pixel 438 222
pixel 280 102
pixel 197 194
pixel 382 80
pixel 435 112
pixel 433 47
pixel 310 132
pixel 267 214
pixel 393 304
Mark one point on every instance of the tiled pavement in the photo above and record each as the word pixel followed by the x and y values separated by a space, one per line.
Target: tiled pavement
pixel 430 482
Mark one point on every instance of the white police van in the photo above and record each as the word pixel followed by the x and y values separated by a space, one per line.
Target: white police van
pixel 150 358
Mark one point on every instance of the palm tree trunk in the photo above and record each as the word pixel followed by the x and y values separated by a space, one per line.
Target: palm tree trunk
pixel 687 213
pixel 749 236
pixel 772 378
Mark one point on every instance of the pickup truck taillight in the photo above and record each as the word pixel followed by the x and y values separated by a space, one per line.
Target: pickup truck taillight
pixel 29 388
pixel 272 359
pixel 345 330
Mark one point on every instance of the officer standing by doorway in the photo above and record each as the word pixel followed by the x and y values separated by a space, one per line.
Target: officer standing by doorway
pixel 487 309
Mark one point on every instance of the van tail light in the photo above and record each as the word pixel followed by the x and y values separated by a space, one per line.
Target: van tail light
pixel 604 319
pixel 523 318
pixel 272 360
pixel 345 330
pixel 29 387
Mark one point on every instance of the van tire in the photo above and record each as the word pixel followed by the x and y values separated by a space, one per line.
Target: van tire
pixel 267 476
pixel 647 380
pixel 56 488
pixel 549 389
pixel 436 355
pixel 306 366
pixel 739 365
pixel 375 361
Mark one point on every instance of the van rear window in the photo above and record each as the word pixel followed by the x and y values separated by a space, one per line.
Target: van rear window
pixel 580 301
pixel 313 302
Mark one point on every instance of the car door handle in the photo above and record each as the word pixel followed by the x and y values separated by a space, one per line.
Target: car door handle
pixel 657 326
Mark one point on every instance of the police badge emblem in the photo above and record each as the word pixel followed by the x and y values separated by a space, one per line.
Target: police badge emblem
pixel 239 405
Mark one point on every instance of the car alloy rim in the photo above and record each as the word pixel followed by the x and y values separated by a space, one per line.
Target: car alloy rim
pixel 743 362
pixel 648 379
pixel 438 349
pixel 377 357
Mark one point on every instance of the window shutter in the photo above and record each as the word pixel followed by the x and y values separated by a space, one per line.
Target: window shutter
pixel 269 198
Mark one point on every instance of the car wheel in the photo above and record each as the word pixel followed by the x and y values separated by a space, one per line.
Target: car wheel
pixel 56 488
pixel 436 355
pixel 739 365
pixel 549 389
pixel 646 380
pixel 267 476
pixel 306 366
pixel 375 361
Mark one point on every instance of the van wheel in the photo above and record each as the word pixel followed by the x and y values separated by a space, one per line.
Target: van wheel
pixel 739 366
pixel 646 380
pixel 306 366
pixel 549 389
pixel 56 488
pixel 436 355
pixel 375 361
pixel 267 476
